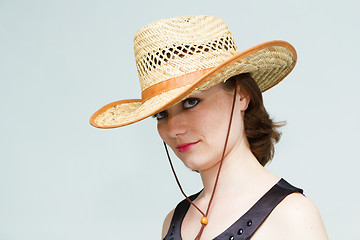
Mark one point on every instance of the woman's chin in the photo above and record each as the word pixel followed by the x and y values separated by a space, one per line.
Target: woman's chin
pixel 198 165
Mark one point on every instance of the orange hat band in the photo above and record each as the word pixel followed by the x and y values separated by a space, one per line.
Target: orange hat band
pixel 173 83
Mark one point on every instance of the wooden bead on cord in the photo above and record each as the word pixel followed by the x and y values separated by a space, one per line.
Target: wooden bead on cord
pixel 204 220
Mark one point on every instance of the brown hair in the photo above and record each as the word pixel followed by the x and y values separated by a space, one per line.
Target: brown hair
pixel 261 131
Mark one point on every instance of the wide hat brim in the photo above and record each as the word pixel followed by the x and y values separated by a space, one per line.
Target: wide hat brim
pixel 268 63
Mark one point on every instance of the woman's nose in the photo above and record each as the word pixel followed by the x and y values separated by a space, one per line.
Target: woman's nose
pixel 176 125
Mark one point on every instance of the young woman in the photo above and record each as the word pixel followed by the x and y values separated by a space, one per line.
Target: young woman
pixel 206 97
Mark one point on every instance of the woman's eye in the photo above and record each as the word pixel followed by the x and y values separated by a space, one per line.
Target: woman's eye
pixel 161 115
pixel 190 102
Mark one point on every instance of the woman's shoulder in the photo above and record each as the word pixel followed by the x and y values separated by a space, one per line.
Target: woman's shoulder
pixel 180 211
pixel 166 223
pixel 298 209
pixel 296 217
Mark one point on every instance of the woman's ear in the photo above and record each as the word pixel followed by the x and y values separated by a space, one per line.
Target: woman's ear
pixel 244 98
pixel 244 102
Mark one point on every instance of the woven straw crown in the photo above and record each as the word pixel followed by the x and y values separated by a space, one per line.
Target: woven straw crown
pixel 170 48
pixel 177 56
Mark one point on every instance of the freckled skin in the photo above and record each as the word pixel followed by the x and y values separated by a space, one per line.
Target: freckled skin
pixel 206 122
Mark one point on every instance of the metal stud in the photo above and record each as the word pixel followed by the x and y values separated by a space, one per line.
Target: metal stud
pixel 249 223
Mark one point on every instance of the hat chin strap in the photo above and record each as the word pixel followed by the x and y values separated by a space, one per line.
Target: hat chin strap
pixel 204 219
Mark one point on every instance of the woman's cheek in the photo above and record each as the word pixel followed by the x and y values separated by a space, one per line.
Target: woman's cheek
pixel 161 132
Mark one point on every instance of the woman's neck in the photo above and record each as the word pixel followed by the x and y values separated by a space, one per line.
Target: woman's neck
pixel 239 170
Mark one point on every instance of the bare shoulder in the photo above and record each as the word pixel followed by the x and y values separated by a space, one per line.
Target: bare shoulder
pixel 166 223
pixel 297 217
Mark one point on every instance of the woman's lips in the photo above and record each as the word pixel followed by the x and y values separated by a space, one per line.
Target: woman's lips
pixel 186 146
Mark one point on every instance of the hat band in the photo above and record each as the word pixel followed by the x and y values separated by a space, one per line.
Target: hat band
pixel 173 83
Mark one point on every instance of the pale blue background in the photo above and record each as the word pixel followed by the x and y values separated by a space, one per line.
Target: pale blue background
pixel 60 61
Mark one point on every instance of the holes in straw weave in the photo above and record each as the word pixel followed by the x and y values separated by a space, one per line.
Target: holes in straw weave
pixel 152 60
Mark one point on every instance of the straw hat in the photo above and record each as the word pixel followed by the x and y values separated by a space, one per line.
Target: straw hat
pixel 178 56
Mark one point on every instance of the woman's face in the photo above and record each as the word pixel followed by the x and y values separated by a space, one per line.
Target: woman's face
pixel 196 128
